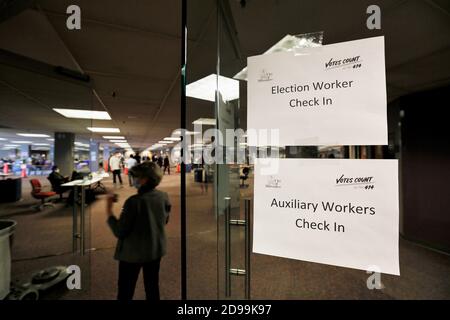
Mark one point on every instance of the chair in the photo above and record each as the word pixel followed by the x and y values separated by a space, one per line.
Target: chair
pixel 244 176
pixel 56 187
pixel 37 193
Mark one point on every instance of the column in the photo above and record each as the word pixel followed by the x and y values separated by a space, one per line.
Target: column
pixel 94 155
pixel 64 148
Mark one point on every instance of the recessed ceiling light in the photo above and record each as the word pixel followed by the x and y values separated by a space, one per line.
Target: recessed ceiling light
pixel 22 142
pixel 33 135
pixel 81 144
pixel 113 137
pixel 205 88
pixel 205 121
pixel 106 130
pixel 187 132
pixel 83 114
pixel 172 139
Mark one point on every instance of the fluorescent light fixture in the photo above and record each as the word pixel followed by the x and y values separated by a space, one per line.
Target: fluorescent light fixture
pixel 2 139
pixel 105 130
pixel 172 139
pixel 11 145
pixel 51 139
pixel 116 141
pixel 81 144
pixel 205 88
pixel 22 142
pixel 188 133
pixel 114 137
pixel 41 144
pixel 83 114
pixel 164 142
pixel 287 44
pixel 205 121
pixel 33 135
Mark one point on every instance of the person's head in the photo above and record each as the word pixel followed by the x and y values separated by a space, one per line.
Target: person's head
pixel 131 156
pixel 55 169
pixel 147 174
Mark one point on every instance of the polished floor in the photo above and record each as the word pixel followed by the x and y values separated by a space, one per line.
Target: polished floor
pixel 43 239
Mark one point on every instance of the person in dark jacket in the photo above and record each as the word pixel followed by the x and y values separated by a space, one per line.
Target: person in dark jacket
pixel 166 164
pixel 141 232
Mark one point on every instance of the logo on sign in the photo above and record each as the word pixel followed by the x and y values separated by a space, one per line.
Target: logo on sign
pixel 361 182
pixel 265 76
pixel 349 62
pixel 273 182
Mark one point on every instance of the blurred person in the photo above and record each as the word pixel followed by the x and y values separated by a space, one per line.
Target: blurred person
pixel 160 161
pixel 141 232
pixel 166 164
pixel 115 166
pixel 130 163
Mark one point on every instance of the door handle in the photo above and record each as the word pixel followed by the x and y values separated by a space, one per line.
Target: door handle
pixel 235 271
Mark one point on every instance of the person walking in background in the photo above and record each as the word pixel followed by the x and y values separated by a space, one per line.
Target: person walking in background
pixel 160 161
pixel 115 165
pixel 141 232
pixel 166 164
pixel 130 163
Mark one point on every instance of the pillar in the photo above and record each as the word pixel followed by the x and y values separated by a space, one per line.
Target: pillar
pixel 94 155
pixel 64 148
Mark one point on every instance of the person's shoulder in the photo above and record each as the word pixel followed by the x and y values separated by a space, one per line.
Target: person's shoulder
pixel 132 199
pixel 160 193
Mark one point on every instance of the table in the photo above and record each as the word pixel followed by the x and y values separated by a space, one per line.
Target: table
pixel 5 175
pixel 83 184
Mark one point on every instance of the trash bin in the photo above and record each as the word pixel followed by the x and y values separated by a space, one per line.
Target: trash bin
pixel 7 228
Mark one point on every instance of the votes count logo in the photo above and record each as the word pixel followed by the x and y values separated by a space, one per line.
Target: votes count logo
pixel 362 182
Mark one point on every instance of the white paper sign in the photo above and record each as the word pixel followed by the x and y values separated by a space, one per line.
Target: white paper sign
pixel 334 94
pixel 332 211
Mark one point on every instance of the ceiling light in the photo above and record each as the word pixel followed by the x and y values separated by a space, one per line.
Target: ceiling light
pixel 40 144
pixel 187 132
pixel 172 139
pixel 114 137
pixel 83 114
pixel 106 130
pixel 205 121
pixel 164 142
pixel 22 142
pixel 33 135
pixel 51 139
pixel 115 141
pixel 2 139
pixel 11 145
pixel 205 88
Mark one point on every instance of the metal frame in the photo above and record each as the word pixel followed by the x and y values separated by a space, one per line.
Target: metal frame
pixel 229 271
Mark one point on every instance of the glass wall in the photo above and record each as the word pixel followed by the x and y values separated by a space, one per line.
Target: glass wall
pixel 42 150
pixel 246 29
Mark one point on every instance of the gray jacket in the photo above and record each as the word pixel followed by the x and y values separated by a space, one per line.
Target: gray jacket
pixel 140 228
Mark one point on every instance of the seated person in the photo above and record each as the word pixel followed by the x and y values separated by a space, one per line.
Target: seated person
pixel 57 179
